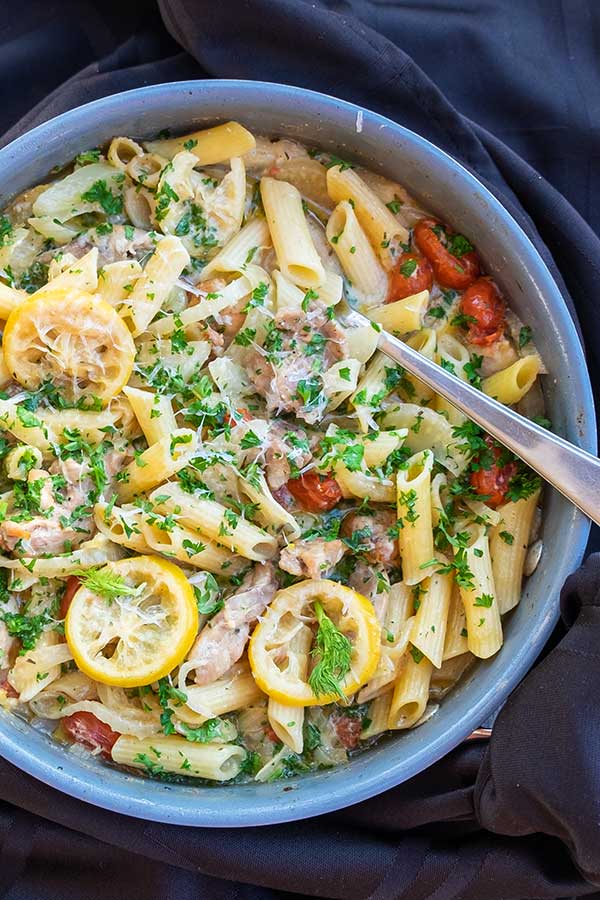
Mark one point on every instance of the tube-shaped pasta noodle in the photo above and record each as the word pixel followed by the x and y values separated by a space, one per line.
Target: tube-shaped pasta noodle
pixel 403 316
pixel 287 294
pixel 116 280
pixel 95 552
pixel 186 546
pixel 379 713
pixel 361 485
pixel 370 390
pixel 484 629
pixel 361 342
pixel 395 635
pixel 411 691
pixel 287 721
pixel 439 483
pixel 241 249
pixel 227 694
pixel 20 460
pixel 217 522
pixel 415 537
pixel 152 287
pixel 332 289
pixel 122 525
pixel 427 429
pixel 375 218
pixel 367 277
pixel 64 199
pixel 145 168
pixel 377 449
pixel 208 306
pixel 424 342
pixel 429 629
pixel 121 151
pixel 271 514
pixel 508 547
pixel 211 145
pixel 81 275
pixel 454 356
pixel 216 761
pixel 158 463
pixel 39 666
pixel 340 380
pixel 154 412
pixel 511 384
pixel 296 254
pixel 456 628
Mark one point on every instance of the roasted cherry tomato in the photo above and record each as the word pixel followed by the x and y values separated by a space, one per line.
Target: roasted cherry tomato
pixel 492 483
pixel 71 589
pixel 483 303
pixel 84 728
pixel 316 493
pixel 412 274
pixel 454 264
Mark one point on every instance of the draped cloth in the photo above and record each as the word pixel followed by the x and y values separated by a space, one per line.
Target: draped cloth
pixel 511 91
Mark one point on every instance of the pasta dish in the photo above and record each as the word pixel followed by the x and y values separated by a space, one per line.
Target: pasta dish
pixel 236 541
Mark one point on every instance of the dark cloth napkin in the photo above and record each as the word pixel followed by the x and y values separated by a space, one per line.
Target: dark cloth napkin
pixel 520 819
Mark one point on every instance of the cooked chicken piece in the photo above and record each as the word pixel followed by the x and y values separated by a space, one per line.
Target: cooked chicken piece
pixel 111 247
pixel 47 532
pixel 303 339
pixel 311 559
pixel 285 446
pixel 496 357
pixel 223 640
pixel 268 153
pixel 376 543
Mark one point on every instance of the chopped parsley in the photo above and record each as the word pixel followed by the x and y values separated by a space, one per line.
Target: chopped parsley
pixel 99 193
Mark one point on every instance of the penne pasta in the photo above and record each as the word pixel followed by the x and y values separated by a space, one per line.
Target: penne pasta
pixel 415 536
pixel 367 278
pixel 382 227
pixel 509 541
pixel 296 255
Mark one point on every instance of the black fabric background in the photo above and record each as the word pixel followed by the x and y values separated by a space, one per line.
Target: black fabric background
pixel 512 89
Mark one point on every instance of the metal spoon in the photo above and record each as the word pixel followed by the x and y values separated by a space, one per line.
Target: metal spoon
pixel 571 470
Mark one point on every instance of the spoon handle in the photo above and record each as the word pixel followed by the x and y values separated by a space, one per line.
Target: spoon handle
pixel 571 470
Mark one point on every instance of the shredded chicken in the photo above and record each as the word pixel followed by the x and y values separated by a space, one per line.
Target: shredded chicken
pixel 285 446
pixel 303 339
pixel 311 559
pixel 496 357
pixel 377 544
pixel 112 247
pixel 223 640
pixel 47 532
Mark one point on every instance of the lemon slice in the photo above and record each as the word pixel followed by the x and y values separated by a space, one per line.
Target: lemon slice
pixel 135 637
pixel 352 614
pixel 74 339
